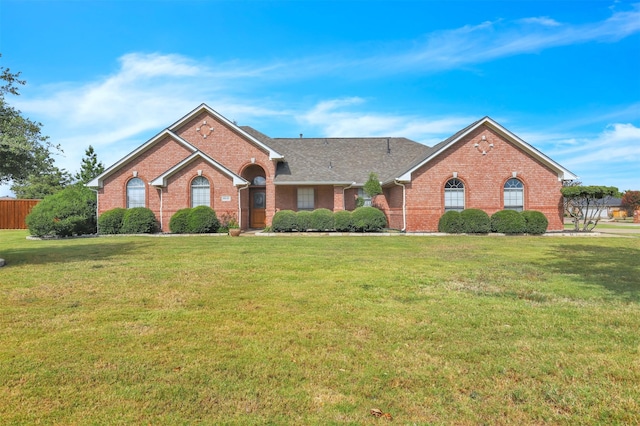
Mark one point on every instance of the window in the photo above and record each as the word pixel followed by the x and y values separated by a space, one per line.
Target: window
pixel 135 193
pixel 514 195
pixel 200 195
pixel 365 198
pixel 305 199
pixel 454 195
pixel 259 181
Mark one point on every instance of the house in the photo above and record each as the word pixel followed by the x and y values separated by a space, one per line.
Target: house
pixel 205 159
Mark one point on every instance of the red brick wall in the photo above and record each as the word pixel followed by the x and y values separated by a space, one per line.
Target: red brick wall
pixel 484 177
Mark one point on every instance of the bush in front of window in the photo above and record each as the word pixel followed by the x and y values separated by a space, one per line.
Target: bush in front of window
pixel 71 211
pixel 110 222
pixel 475 221
pixel 536 222
pixel 303 220
pixel 368 219
pixel 284 221
pixel 508 222
pixel 450 222
pixel 322 220
pixel 202 220
pixel 343 221
pixel 139 220
pixel 179 223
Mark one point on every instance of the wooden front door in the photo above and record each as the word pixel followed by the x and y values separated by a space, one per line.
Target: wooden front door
pixel 258 207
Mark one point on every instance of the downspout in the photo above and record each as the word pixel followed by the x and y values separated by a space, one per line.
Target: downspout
pixel 240 204
pixel 97 209
pixel 404 205
pixel 344 200
pixel 160 189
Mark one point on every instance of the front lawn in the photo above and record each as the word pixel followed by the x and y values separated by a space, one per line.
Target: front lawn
pixel 320 330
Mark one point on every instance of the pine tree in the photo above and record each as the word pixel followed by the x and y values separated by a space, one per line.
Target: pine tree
pixel 90 167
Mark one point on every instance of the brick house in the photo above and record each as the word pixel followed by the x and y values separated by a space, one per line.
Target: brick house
pixel 205 159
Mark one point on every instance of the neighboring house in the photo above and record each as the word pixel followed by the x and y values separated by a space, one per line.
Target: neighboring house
pixel 205 159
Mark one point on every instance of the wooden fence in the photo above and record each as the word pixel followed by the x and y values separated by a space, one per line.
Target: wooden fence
pixel 13 213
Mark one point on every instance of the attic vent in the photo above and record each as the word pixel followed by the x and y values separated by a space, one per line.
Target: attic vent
pixel 388 147
pixel 300 135
pixel 330 165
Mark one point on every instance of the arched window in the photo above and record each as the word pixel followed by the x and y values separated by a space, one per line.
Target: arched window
pixel 514 195
pixel 454 195
pixel 135 193
pixel 200 194
pixel 259 181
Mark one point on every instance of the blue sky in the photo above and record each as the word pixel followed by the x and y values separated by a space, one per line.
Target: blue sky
pixel 563 75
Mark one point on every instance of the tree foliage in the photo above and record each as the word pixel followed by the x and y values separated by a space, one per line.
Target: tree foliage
pixel 48 180
pixel 22 145
pixel 90 167
pixel 584 204
pixel 630 201
pixel 372 186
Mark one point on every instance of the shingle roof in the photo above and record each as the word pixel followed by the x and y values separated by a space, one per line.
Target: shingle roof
pixel 341 160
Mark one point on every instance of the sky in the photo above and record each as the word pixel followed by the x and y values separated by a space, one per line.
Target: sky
pixel 562 75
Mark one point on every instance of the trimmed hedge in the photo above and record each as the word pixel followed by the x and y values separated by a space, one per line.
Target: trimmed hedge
pixel 508 222
pixel 110 222
pixel 284 221
pixel 202 220
pixel 179 223
pixel 368 219
pixel 342 221
pixel 475 221
pixel 139 220
pixel 536 222
pixel 71 211
pixel 450 222
pixel 322 220
pixel 303 220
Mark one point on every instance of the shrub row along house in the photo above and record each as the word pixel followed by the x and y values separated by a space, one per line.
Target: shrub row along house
pixel 205 159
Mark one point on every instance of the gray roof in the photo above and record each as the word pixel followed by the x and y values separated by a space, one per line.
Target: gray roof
pixel 341 160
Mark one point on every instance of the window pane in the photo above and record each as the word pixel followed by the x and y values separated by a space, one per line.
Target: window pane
pixel 200 194
pixel 514 195
pixel 135 193
pixel 305 199
pixel 454 195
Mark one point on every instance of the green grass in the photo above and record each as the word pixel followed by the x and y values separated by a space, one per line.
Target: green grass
pixel 211 330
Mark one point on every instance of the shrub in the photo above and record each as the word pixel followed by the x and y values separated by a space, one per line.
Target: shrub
pixel 535 222
pixel 508 222
pixel 284 221
pixel 179 223
pixel 303 220
pixel 368 219
pixel 342 221
pixel 139 220
pixel 475 221
pixel 202 220
pixel 110 222
pixel 71 211
pixel 450 222
pixel 322 220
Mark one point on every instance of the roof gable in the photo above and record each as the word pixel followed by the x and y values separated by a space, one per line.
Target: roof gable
pixel 273 155
pixel 162 179
pixel 98 181
pixel 563 173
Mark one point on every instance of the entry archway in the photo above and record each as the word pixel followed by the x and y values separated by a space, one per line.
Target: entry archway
pixel 257 195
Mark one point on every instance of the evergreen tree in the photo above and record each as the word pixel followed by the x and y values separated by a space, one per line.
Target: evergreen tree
pixel 90 167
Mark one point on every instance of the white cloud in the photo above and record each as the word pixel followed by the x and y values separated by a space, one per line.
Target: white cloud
pixel 338 117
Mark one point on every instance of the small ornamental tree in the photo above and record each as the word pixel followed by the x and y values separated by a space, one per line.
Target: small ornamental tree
pixel 372 186
pixel 584 204
pixel 630 201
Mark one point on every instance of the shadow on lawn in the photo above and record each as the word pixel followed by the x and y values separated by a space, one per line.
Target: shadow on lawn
pixel 615 268
pixel 67 253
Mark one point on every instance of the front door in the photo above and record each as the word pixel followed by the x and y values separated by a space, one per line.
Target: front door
pixel 257 213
